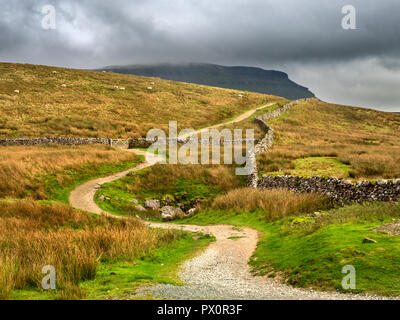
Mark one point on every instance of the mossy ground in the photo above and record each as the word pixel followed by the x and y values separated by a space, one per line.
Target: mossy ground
pixel 316 166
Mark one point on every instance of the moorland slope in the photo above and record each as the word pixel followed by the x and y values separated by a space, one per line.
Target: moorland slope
pixel 37 101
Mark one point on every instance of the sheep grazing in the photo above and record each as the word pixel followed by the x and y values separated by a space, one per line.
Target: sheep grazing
pixel 122 89
pixel 55 72
pixel 149 88
pixel 64 85
pixel 152 83
pixel 16 91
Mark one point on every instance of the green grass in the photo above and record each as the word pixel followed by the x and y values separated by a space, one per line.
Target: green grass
pixel 181 183
pixel 73 177
pixel 183 189
pixel 316 166
pixel 121 279
pixel 311 252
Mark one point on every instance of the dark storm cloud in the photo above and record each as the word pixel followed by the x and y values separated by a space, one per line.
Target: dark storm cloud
pixel 301 37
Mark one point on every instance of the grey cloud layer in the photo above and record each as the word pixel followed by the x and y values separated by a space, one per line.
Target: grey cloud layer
pixel 291 34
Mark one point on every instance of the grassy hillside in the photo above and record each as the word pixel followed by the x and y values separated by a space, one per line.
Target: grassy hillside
pixel 240 78
pixel 334 140
pixel 91 104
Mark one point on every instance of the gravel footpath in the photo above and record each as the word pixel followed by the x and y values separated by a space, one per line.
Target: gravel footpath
pixel 222 272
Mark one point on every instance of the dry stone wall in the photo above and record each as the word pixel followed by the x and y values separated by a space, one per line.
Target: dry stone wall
pixel 267 141
pixel 48 141
pixel 340 190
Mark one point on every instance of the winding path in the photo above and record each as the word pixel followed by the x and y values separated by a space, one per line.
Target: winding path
pixel 222 270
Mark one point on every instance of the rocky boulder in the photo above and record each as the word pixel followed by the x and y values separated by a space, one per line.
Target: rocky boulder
pixel 168 201
pixel 169 213
pixel 191 212
pixel 152 204
pixel 140 208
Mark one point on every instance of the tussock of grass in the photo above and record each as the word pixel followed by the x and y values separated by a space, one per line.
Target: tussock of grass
pixel 274 204
pixel 34 235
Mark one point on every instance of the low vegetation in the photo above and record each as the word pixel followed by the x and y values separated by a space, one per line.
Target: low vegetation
pixel 305 240
pixel 274 204
pixel 365 144
pixel 50 172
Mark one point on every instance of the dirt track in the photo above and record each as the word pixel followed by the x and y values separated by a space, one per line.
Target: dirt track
pixel 222 270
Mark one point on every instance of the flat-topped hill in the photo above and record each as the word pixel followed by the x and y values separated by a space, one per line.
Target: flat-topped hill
pixel 240 77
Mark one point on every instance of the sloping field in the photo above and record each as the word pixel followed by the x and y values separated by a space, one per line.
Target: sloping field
pixel 334 140
pixel 65 102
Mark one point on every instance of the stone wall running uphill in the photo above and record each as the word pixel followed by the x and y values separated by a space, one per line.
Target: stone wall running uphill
pixel 340 190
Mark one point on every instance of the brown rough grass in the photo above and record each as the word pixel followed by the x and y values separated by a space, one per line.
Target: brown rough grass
pixel 90 106
pixel 34 235
pixel 276 204
pixel 160 177
pixel 19 166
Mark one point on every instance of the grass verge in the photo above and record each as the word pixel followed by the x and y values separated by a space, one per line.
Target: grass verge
pixel 58 186
pixel 310 250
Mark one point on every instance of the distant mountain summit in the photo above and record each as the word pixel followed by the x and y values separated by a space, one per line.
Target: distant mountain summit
pixel 240 78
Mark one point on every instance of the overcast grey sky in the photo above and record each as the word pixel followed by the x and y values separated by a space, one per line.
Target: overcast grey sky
pixel 302 37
